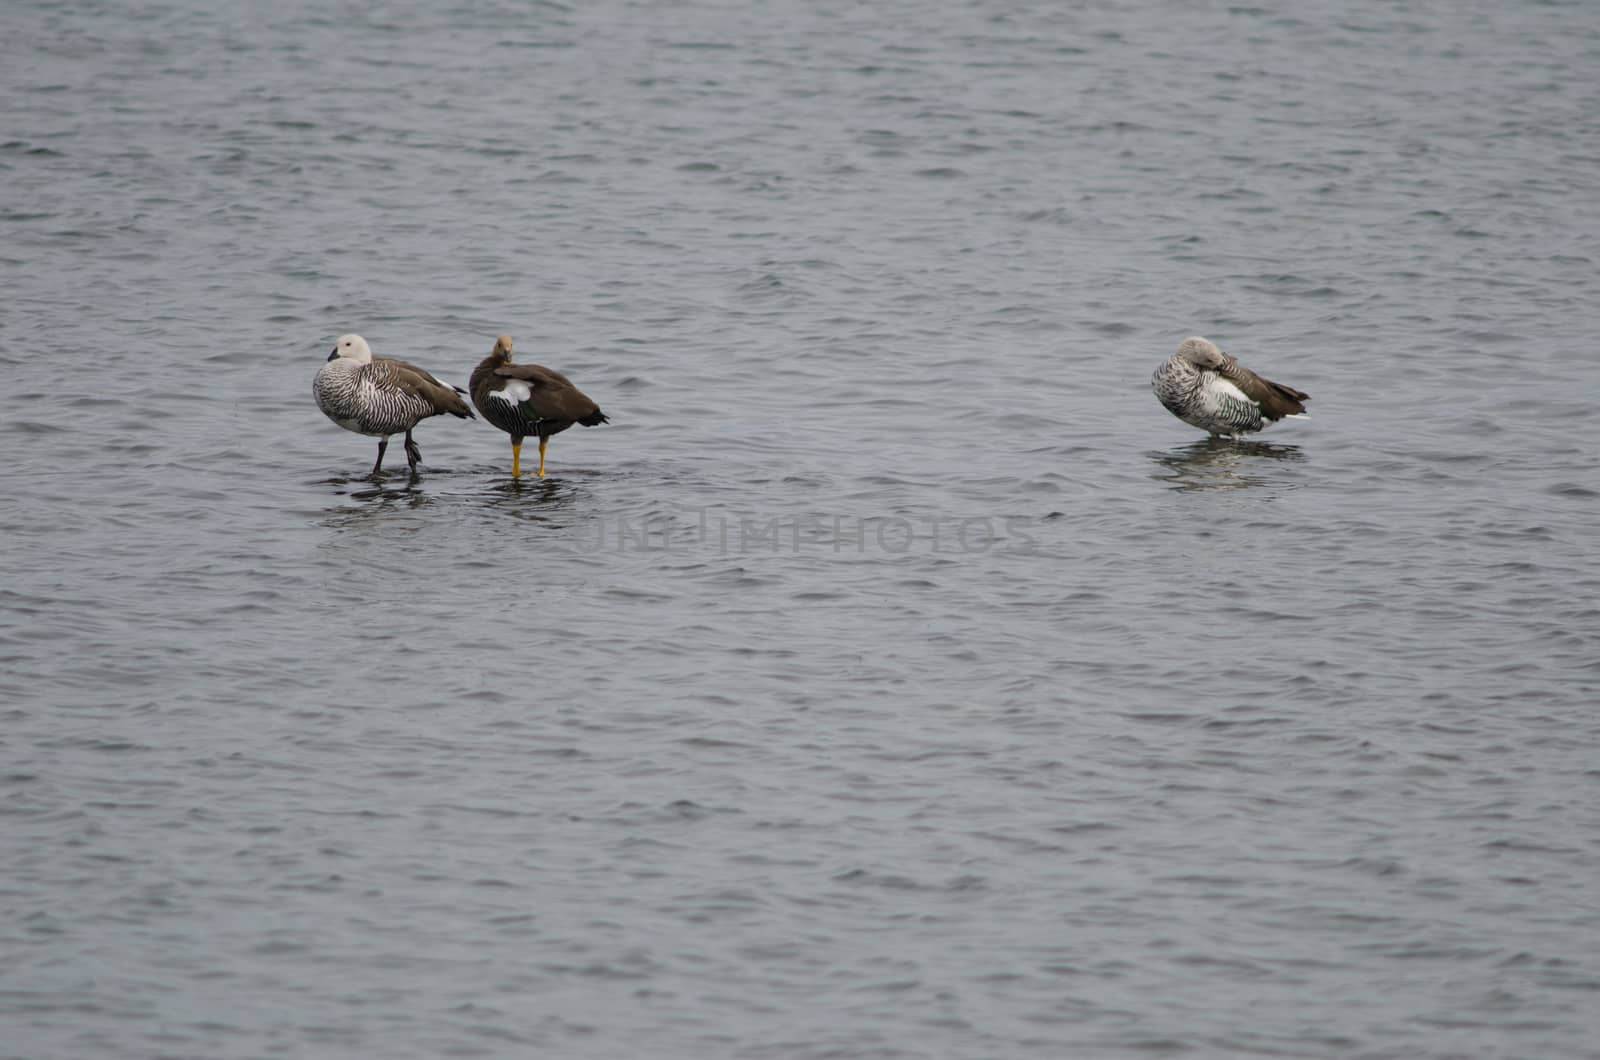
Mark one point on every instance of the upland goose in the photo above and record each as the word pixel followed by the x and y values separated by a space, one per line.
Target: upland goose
pixel 380 396
pixel 1205 387
pixel 524 399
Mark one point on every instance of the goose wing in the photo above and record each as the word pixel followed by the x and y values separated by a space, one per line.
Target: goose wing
pixel 1275 399
pixel 551 395
pixel 420 383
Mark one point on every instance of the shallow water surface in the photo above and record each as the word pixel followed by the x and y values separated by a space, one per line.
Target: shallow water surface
pixel 893 676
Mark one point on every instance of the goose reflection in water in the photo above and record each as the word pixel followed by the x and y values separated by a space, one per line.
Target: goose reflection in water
pixel 373 499
pixel 1222 464
pixel 364 501
pixel 543 500
pixel 409 493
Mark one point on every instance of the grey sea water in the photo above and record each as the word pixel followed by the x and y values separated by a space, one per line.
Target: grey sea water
pixel 893 676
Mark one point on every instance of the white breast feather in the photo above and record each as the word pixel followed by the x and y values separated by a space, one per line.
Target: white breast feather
pixel 515 392
pixel 1224 387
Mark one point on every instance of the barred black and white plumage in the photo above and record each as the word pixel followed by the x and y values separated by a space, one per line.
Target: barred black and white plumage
pixel 380 396
pixel 1205 387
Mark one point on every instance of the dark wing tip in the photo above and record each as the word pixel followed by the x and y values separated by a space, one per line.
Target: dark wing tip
pixel 1279 401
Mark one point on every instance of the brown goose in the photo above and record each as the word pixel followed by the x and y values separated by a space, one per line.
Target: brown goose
pixel 1205 387
pixel 524 399
pixel 381 396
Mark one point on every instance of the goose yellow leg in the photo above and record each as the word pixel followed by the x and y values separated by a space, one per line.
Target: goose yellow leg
pixel 516 459
pixel 542 443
